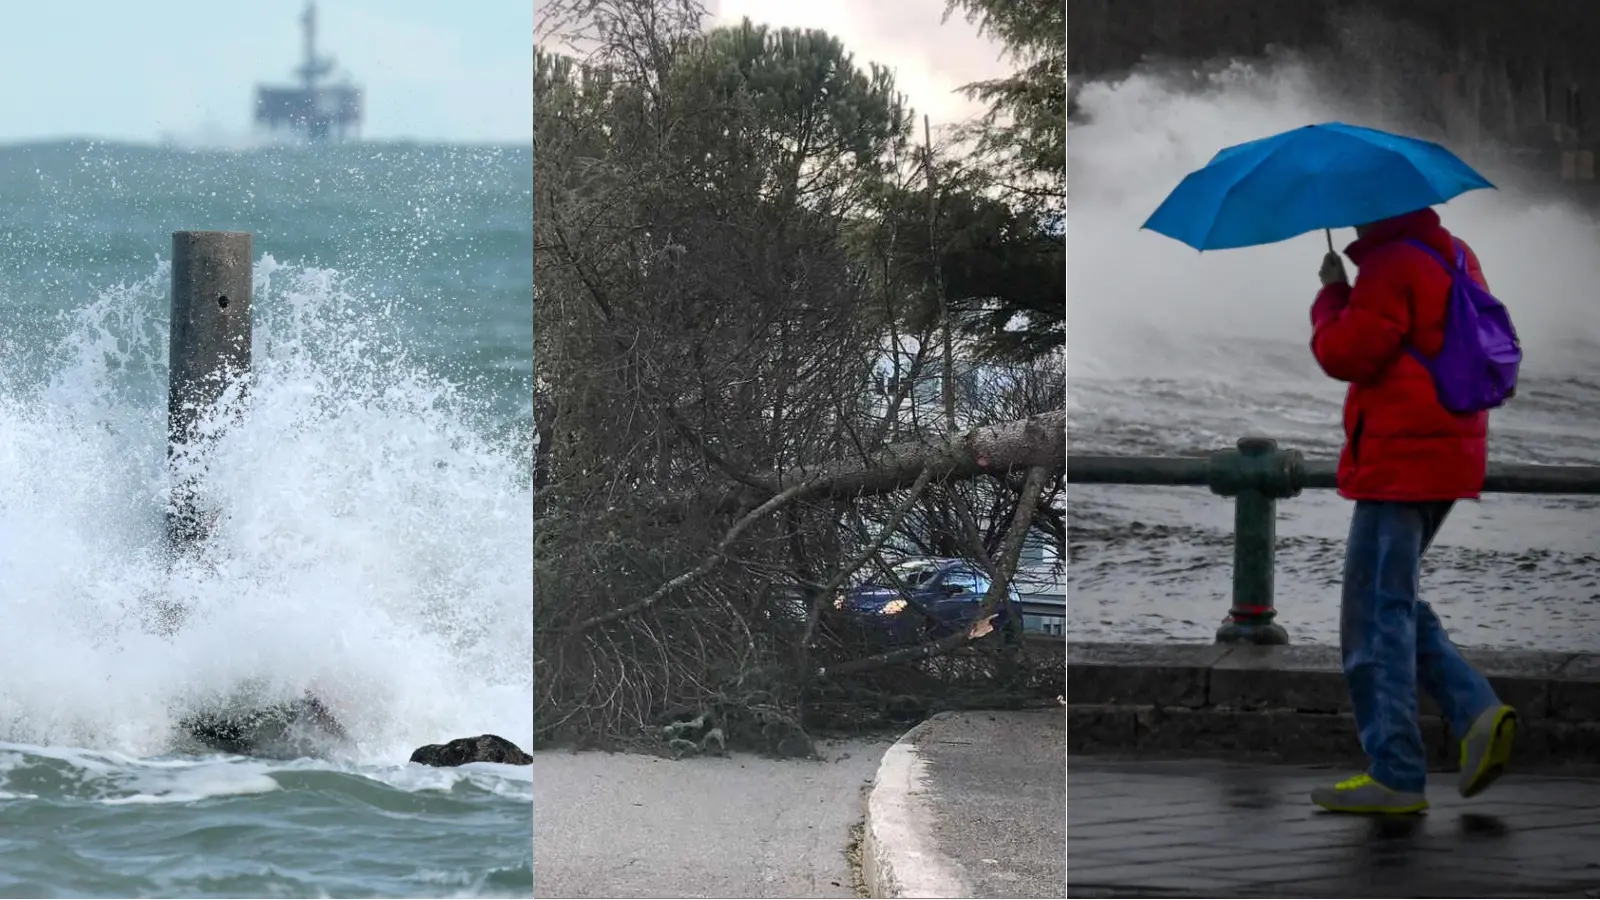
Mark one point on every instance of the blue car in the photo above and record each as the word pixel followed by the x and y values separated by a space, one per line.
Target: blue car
pixel 923 599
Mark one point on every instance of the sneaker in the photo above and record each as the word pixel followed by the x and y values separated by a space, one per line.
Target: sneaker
pixel 1486 750
pixel 1362 794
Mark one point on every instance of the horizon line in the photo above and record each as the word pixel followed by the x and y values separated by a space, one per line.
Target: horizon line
pixel 244 146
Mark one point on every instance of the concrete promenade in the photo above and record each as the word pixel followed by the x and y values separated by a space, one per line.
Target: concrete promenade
pixel 1217 829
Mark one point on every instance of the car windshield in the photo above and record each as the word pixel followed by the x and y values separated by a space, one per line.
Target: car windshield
pixel 967 581
pixel 914 574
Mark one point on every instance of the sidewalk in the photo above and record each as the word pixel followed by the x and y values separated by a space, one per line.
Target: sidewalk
pixel 1215 829
pixel 621 825
pixel 971 805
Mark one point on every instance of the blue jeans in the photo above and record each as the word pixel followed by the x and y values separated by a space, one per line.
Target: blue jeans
pixel 1391 641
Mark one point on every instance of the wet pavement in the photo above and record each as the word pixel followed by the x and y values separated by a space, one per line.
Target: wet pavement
pixel 1209 829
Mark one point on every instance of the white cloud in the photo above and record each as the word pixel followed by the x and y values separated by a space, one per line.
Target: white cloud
pixel 930 60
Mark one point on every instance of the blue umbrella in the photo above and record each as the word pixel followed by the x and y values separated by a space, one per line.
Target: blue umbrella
pixel 1321 176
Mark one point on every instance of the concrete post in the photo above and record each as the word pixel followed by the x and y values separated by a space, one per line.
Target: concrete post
pixel 210 344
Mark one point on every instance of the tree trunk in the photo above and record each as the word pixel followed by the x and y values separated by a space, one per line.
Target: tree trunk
pixel 998 450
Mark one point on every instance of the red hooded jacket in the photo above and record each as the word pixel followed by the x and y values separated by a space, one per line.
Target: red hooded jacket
pixel 1400 444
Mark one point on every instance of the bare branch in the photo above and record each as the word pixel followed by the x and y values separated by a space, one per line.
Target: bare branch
pixel 861 559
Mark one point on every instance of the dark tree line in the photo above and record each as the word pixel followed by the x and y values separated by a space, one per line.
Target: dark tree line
pixel 1514 68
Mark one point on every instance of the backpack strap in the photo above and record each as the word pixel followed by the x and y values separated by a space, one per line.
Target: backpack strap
pixel 1459 269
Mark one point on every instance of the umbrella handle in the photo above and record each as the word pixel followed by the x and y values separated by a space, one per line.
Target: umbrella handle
pixel 1329 233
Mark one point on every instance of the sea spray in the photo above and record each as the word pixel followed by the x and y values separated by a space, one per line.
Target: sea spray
pixel 1143 304
pixel 372 543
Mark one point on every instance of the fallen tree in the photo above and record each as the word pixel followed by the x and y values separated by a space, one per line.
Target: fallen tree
pixel 1037 444
pixel 759 701
pixel 731 392
pixel 995 450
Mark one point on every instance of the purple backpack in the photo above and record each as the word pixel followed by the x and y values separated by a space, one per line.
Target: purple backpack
pixel 1476 367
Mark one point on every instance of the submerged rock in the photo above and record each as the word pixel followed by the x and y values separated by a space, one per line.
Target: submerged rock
pixel 483 748
pixel 300 728
pixel 304 727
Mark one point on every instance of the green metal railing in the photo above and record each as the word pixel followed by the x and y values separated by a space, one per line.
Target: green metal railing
pixel 1257 474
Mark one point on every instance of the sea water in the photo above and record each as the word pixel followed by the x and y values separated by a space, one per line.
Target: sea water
pixel 373 536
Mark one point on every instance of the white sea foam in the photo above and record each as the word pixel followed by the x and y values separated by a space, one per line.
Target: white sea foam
pixel 374 544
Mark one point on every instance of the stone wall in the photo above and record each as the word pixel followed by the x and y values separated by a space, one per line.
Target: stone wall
pixel 1289 704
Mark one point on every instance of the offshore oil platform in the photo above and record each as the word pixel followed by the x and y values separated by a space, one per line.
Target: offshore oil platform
pixel 312 110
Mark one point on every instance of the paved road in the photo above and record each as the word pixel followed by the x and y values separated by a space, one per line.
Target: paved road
pixel 998 792
pixel 616 825
pixel 1215 829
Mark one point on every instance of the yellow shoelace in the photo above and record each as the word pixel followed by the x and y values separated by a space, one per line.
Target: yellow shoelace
pixel 1350 784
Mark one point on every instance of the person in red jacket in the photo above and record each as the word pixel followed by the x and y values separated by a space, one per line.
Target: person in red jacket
pixel 1406 460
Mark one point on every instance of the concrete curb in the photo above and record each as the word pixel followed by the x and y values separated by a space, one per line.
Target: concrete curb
pixel 898 854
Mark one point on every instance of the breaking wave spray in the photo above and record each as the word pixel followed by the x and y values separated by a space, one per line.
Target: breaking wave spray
pixel 374 545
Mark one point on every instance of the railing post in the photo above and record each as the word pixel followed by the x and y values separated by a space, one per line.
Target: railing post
pixel 1257 475
pixel 209 347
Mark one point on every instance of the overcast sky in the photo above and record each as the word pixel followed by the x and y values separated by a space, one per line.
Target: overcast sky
pixel 930 60
pixel 138 70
